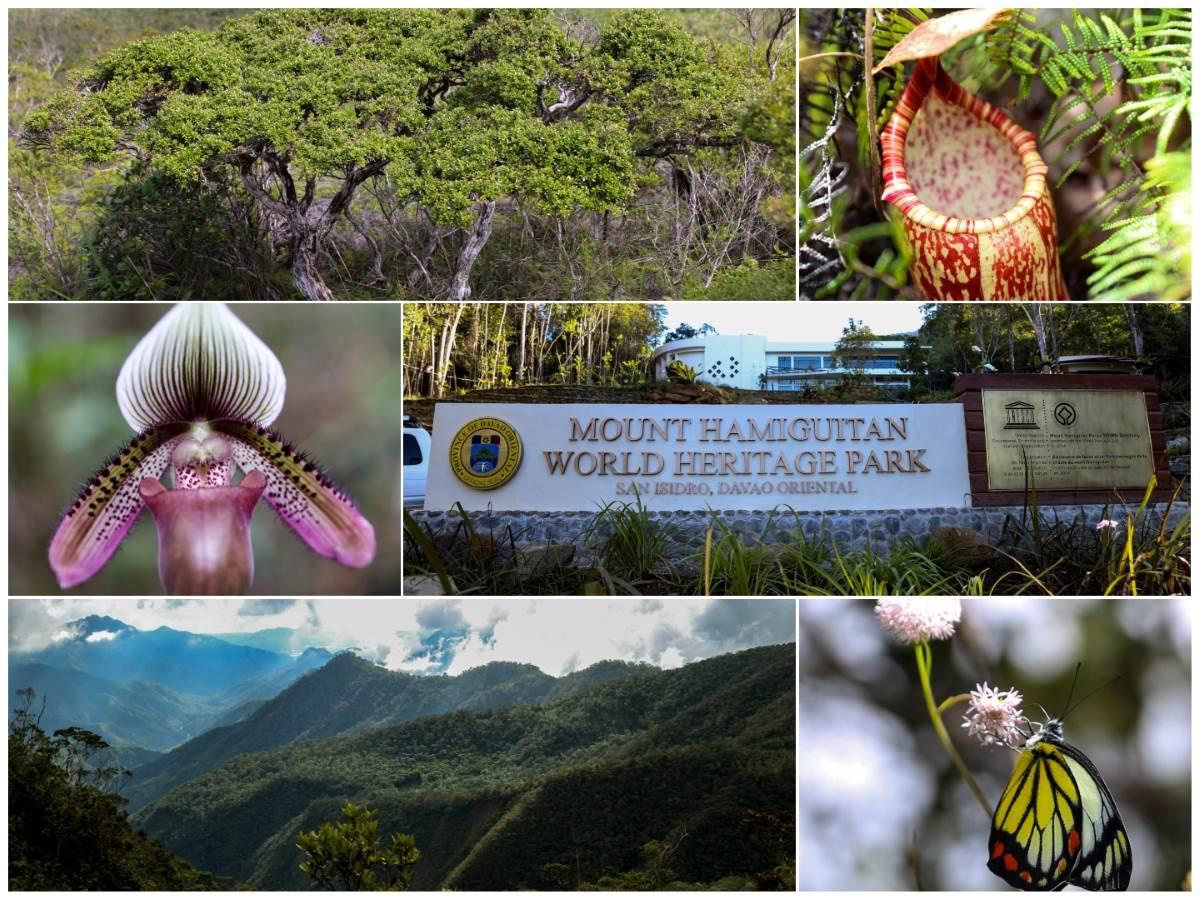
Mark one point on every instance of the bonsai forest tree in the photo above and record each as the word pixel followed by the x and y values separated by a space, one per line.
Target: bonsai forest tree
pixel 459 109
pixel 346 855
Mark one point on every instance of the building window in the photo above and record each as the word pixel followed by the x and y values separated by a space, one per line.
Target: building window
pixel 800 363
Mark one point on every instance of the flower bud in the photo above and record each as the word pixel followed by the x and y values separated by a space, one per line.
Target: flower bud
pixel 204 535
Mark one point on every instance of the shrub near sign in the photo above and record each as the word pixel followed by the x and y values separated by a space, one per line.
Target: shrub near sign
pixel 821 457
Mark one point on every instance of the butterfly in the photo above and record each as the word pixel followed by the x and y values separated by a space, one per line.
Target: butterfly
pixel 1057 823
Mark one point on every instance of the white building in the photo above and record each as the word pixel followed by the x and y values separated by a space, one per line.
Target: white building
pixel 752 362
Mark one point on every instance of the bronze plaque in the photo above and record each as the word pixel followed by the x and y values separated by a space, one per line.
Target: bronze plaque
pixel 1069 440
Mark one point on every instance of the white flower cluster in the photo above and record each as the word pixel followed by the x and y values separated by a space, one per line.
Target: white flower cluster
pixel 919 619
pixel 994 716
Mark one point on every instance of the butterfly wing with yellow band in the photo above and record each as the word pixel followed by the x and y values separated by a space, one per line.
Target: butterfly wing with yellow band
pixel 1057 824
pixel 1035 838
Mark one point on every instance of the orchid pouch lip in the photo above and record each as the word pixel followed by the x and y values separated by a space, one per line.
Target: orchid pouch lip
pixel 972 188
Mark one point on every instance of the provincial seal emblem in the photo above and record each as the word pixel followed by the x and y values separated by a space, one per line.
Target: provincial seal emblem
pixel 485 453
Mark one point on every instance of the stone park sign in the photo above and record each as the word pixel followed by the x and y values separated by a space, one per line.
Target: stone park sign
pixel 565 457
pixel 1076 439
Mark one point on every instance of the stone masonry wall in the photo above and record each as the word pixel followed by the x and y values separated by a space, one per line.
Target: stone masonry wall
pixel 847 529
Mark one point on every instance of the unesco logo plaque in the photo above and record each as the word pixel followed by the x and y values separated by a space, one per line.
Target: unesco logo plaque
pixel 1067 439
pixel 485 453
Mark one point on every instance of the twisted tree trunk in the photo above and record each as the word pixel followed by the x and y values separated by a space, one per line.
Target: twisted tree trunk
pixel 306 275
pixel 307 223
pixel 477 236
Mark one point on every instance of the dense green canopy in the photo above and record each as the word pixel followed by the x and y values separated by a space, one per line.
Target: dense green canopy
pixel 459 107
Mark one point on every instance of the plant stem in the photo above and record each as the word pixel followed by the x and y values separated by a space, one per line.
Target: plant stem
pixel 925 669
pixel 872 127
pixel 826 55
pixel 951 702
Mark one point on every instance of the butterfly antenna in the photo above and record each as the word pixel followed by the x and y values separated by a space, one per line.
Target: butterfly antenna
pixel 1089 694
pixel 1071 693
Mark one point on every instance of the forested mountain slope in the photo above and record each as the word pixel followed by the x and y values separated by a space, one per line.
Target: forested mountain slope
pixel 350 695
pixel 495 796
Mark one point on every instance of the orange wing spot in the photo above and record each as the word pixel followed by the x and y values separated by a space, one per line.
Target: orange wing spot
pixel 1060 868
pixel 998 849
pixel 1025 876
pixel 1010 862
pixel 1072 842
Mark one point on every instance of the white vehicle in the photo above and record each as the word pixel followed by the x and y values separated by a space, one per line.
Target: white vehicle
pixel 416 463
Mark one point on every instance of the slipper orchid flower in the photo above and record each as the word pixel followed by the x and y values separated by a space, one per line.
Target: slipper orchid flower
pixel 202 390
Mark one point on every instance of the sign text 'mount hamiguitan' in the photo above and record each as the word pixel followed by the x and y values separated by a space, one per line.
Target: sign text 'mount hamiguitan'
pixel 554 457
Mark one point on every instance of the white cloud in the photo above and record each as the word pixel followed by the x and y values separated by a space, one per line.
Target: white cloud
pixel 671 659
pixel 788 321
pixel 97 636
pixel 557 636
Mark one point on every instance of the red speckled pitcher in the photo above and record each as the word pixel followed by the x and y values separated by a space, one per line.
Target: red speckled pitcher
pixel 972 187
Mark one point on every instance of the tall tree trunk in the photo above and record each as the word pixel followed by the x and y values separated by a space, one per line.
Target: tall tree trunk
pixel 477 236
pixel 481 349
pixel 1134 315
pixel 432 361
pixel 979 321
pixel 1053 334
pixel 1033 312
pixel 501 357
pixel 521 356
pixel 1012 343
pixel 449 333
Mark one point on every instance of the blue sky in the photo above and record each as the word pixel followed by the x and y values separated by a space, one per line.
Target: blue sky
pixel 795 321
pixel 449 635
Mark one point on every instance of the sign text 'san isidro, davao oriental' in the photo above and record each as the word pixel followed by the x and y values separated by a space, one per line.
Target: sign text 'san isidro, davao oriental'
pixel 576 456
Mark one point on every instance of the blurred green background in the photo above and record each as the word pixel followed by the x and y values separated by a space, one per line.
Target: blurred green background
pixel 881 806
pixel 342 408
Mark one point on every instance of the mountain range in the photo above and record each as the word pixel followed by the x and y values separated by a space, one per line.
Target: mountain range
pixel 525 775
pixel 508 778
pixel 353 695
pixel 150 690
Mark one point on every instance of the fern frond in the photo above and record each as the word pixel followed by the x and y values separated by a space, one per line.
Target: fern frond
pixel 1144 55
pixel 1148 256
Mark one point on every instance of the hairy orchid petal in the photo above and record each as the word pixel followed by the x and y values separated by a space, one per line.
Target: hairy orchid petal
pixel 200 362
pixel 303 496
pixel 108 505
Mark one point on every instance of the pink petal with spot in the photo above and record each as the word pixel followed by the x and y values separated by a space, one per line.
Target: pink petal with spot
pixel 323 516
pixel 98 521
